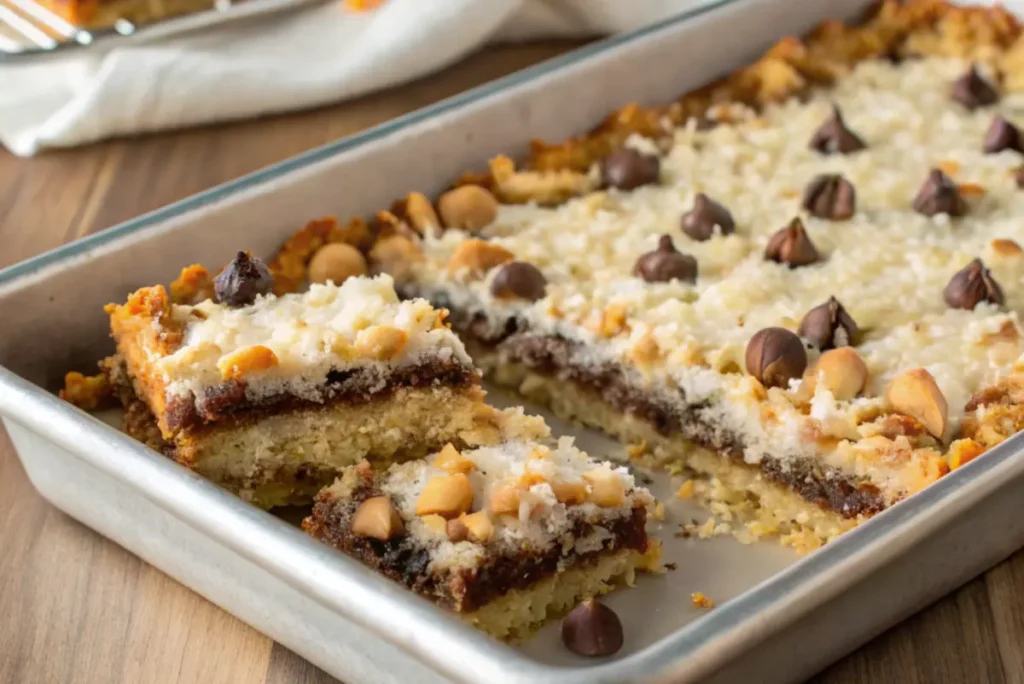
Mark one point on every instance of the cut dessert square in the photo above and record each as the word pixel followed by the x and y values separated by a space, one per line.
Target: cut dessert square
pixel 506 535
pixel 789 289
pixel 270 395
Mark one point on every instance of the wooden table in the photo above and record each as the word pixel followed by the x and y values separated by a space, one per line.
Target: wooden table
pixel 75 607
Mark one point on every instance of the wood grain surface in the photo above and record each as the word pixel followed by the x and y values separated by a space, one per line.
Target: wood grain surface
pixel 75 607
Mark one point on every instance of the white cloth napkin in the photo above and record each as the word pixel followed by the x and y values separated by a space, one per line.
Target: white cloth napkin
pixel 286 61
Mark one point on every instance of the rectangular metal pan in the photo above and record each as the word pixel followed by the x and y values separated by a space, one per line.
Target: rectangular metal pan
pixel 779 617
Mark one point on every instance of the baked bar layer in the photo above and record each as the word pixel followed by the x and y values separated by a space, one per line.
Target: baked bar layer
pixel 506 535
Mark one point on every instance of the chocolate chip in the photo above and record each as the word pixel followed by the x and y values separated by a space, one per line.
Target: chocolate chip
pixel 666 263
pixel 830 196
pixel 592 629
pixel 627 169
pixel 241 281
pixel 699 223
pixel 1002 135
pixel 828 326
pixel 939 195
pixel 775 356
pixel 792 246
pixel 834 137
pixel 972 285
pixel 973 91
pixel 519 279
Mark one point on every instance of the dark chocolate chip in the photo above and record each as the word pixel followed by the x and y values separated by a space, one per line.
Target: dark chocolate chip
pixel 699 223
pixel 834 137
pixel 828 326
pixel 519 279
pixel 592 629
pixel 241 281
pixel 830 196
pixel 775 356
pixel 972 285
pixel 792 246
pixel 666 263
pixel 1002 135
pixel 973 91
pixel 939 195
pixel 627 169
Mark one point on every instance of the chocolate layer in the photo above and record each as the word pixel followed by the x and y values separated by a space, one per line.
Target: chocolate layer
pixel 228 405
pixel 406 562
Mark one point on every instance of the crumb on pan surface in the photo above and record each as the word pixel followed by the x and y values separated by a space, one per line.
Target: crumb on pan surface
pixel 506 534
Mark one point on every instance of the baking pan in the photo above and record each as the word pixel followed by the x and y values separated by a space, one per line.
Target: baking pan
pixel 779 617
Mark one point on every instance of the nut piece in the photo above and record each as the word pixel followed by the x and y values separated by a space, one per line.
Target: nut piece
pixel 830 196
pixel 241 281
pixel 665 264
pixel 700 222
pixel 377 518
pixel 628 169
pixel 420 213
pixel 833 137
pixel 435 524
pixel 381 342
pixel 606 488
pixel 519 280
pixel 395 254
pixel 971 286
pixel 914 393
pixel 1002 135
pixel 246 360
pixel 478 257
pixel 775 356
pixel 505 499
pixel 592 629
pixel 792 246
pixel 479 526
pixel 452 461
pixel 469 208
pixel 828 326
pixel 336 262
pixel 842 372
pixel 939 195
pixel 569 493
pixel 973 91
pixel 446 495
pixel 456 530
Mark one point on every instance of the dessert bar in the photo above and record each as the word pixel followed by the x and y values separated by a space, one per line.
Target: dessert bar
pixel 270 395
pixel 505 535
pixel 798 284
pixel 96 14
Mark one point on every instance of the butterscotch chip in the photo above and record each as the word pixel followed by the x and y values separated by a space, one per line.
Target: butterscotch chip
pixel 469 208
pixel 915 393
pixel 377 518
pixel 569 492
pixel 1006 248
pixel 478 257
pixel 246 360
pixel 336 262
pixel 435 523
pixel 446 495
pixel 381 342
pixel 963 451
pixel 843 372
pixel 421 214
pixel 451 460
pixel 606 488
pixel 505 499
pixel 479 525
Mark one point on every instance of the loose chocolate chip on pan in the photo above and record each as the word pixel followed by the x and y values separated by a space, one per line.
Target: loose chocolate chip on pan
pixel 1002 135
pixel 628 169
pixel 666 263
pixel 833 137
pixel 241 281
pixel 972 285
pixel 828 326
pixel 592 629
pixel 792 246
pixel 972 90
pixel 519 279
pixel 830 196
pixel 775 356
pixel 939 195
pixel 700 222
